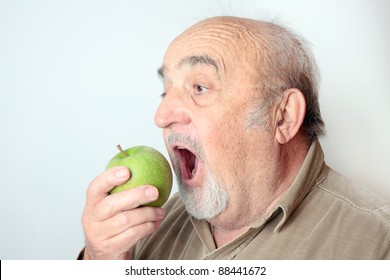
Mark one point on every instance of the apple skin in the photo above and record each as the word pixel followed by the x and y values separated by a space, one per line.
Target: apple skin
pixel 148 167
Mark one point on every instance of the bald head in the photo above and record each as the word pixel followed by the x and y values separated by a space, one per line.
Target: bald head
pixel 235 39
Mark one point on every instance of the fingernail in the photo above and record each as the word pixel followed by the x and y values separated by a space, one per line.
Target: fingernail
pixel 151 192
pixel 121 173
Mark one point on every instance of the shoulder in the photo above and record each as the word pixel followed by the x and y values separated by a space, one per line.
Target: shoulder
pixel 354 197
pixel 352 222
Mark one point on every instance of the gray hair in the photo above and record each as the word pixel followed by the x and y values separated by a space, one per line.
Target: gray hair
pixel 286 62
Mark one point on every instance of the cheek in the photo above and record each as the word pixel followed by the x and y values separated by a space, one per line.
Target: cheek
pixel 224 144
pixel 225 137
pixel 235 152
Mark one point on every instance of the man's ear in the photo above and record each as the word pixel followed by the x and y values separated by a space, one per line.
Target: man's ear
pixel 290 114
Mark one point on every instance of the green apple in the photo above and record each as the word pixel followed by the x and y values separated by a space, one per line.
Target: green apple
pixel 148 167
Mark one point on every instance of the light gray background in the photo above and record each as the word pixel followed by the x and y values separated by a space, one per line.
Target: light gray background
pixel 79 77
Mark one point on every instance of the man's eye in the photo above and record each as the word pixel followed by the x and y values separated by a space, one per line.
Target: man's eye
pixel 199 89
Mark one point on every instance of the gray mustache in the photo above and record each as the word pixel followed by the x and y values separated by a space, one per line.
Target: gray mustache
pixel 178 138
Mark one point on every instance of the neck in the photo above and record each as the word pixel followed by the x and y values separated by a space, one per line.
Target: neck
pixel 290 158
pixel 222 236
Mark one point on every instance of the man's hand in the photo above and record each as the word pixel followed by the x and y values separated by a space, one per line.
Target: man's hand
pixel 113 224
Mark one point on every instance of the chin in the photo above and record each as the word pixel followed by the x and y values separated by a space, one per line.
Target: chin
pixel 204 202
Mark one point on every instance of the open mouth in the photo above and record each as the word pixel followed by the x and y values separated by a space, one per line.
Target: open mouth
pixel 188 162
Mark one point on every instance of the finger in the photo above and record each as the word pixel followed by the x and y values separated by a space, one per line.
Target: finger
pixel 128 239
pixel 127 219
pixel 105 182
pixel 122 201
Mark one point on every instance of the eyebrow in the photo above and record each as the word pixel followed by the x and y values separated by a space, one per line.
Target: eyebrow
pixel 191 60
pixel 160 72
pixel 199 59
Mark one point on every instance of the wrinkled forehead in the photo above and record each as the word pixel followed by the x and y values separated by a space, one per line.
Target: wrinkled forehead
pixel 225 44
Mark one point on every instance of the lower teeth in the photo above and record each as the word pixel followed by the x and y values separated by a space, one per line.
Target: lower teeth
pixel 193 172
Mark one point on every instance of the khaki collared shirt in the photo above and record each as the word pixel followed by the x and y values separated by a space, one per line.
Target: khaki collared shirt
pixel 322 216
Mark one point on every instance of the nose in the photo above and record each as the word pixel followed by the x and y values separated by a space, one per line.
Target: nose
pixel 172 111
